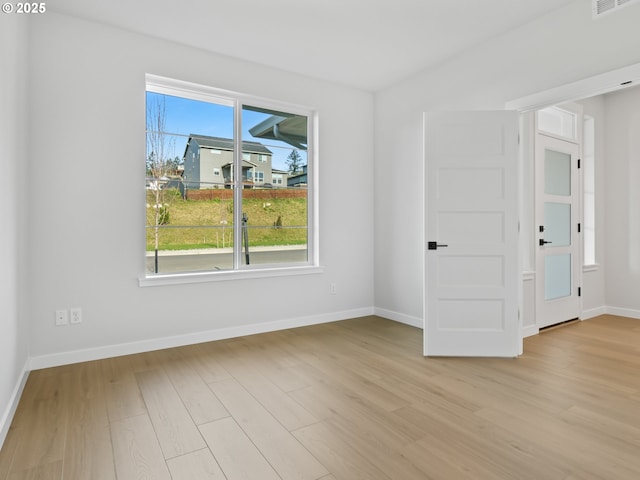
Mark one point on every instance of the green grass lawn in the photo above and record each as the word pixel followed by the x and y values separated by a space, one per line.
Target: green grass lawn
pixel 194 224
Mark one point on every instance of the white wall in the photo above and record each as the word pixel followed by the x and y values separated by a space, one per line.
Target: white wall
pixel 13 165
pixel 86 214
pixel 622 208
pixel 563 47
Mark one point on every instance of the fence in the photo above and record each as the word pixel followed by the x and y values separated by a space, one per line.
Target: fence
pixel 262 194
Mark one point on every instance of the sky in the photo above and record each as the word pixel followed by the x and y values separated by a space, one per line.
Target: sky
pixel 185 116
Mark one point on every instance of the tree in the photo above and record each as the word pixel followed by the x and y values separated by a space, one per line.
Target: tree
pixel 159 167
pixel 294 161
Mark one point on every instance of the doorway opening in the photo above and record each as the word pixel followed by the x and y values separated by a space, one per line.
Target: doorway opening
pixel 585 260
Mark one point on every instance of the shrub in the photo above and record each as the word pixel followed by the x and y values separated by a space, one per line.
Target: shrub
pixel 163 215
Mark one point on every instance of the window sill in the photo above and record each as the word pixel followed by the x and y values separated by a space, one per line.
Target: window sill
pixel 202 277
pixel 591 267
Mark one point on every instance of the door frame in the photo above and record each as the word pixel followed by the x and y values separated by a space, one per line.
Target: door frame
pixel 573 301
pixel 618 79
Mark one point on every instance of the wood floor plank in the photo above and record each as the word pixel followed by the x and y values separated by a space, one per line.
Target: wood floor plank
pixel 136 450
pixel 171 421
pixel 343 460
pixel 8 450
pixel 122 394
pixel 246 370
pixel 44 418
pixel 47 471
pixel 202 404
pixel 205 359
pixel 330 401
pixel 319 356
pixel 198 465
pixel 88 450
pixel 235 453
pixel 287 456
pixel 89 453
pixel 567 409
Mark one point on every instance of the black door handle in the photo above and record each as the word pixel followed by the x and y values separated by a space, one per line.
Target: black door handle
pixel 542 241
pixel 434 245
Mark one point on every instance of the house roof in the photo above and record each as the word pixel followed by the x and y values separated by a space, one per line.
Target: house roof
pixel 290 129
pixel 227 144
pixel 245 164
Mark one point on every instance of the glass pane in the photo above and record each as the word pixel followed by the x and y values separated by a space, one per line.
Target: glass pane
pixel 558 122
pixel 189 185
pixel 557 223
pixel 275 197
pixel 557 276
pixel 589 203
pixel 557 173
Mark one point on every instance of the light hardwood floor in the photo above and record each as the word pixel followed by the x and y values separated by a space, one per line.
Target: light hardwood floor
pixel 347 400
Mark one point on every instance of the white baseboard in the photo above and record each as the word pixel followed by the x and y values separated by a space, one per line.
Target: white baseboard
pixel 593 312
pixel 529 331
pixel 98 353
pixel 623 312
pixel 399 317
pixel 10 411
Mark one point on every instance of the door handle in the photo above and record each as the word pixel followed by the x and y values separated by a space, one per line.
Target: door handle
pixel 542 242
pixel 434 245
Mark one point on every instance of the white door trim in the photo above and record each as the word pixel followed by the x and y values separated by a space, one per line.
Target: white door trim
pixel 587 87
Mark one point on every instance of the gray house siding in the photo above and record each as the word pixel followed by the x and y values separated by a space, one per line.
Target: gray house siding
pixel 299 179
pixel 208 160
pixel 192 165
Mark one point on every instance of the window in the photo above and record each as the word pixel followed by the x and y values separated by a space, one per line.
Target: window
pixel 589 190
pixel 213 214
pixel 557 121
pixel 258 177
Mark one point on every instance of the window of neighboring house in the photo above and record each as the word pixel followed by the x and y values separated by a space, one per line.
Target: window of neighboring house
pixel 202 215
pixel 263 158
pixel 276 179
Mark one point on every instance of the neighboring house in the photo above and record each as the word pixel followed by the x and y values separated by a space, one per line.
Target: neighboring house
pixel 299 179
pixel 279 178
pixel 208 163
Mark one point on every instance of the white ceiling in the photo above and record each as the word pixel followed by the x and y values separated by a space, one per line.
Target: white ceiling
pixel 368 44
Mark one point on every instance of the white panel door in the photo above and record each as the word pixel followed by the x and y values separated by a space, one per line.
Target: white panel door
pixel 471 268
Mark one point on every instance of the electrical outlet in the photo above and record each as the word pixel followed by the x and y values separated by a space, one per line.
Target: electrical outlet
pixel 76 315
pixel 332 289
pixel 62 317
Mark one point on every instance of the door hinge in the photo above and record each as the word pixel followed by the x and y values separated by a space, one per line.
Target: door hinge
pixel 579 228
pixel 578 163
pixel 579 291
